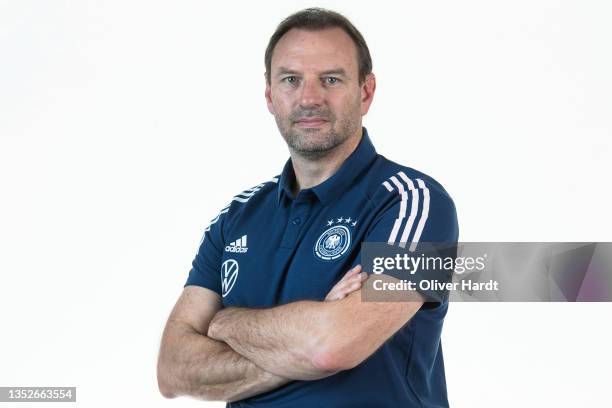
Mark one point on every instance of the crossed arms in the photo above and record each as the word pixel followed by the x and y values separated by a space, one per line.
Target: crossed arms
pixel 230 354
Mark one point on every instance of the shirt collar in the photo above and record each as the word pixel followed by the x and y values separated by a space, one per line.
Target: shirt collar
pixel 339 182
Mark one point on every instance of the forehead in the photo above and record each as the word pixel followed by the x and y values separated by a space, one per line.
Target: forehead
pixel 327 48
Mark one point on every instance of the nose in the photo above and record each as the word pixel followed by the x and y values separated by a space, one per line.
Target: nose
pixel 312 93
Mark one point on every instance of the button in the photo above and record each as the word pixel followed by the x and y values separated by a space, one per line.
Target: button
pixel 296 221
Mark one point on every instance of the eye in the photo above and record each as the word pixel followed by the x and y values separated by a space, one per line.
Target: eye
pixel 331 80
pixel 290 79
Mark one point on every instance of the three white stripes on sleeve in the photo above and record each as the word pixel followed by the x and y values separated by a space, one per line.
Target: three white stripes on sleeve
pixel 413 191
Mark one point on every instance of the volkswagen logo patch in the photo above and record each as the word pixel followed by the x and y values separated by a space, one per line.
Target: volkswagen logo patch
pixel 229 274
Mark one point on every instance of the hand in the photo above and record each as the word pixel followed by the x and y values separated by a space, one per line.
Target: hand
pixel 349 283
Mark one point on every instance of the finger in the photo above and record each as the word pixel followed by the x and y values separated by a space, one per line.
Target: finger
pixel 360 277
pixel 340 290
pixel 357 269
pixel 334 296
pixel 345 283
pixel 353 287
pixel 353 275
pixel 353 271
pixel 348 289
pixel 342 285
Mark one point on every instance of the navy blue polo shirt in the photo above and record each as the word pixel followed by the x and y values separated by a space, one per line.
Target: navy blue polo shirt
pixel 268 247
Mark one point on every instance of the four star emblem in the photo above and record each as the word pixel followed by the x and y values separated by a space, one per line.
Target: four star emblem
pixel 342 220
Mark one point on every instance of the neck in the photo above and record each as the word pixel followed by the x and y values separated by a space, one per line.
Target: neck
pixel 310 172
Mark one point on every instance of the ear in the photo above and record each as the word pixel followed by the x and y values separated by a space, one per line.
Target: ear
pixel 268 94
pixel 367 93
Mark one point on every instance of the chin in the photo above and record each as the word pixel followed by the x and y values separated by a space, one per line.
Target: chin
pixel 315 147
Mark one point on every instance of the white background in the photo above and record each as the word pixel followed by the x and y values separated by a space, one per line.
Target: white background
pixel 125 126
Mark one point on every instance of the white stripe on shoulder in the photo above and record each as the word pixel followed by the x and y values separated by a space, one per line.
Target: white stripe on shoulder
pixel 246 195
pixel 257 187
pixel 402 211
pixel 414 209
pixel 242 197
pixel 406 187
pixel 424 215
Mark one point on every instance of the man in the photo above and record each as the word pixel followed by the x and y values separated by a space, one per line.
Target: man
pixel 269 315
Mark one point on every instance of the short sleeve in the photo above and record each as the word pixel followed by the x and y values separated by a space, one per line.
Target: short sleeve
pixel 205 268
pixel 419 214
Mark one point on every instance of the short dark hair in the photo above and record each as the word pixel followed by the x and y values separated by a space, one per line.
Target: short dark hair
pixel 313 19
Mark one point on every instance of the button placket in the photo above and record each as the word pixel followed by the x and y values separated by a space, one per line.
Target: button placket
pixel 297 216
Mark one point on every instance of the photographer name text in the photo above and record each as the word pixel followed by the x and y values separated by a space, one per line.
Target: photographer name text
pixel 464 285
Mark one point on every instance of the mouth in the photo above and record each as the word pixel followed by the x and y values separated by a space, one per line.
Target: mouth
pixel 311 122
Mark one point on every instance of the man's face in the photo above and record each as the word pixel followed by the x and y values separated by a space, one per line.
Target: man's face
pixel 314 91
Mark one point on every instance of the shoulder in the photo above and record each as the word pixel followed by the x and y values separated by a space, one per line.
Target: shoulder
pixel 241 201
pixel 405 195
pixel 387 180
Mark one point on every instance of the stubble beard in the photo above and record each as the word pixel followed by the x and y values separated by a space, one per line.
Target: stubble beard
pixel 315 143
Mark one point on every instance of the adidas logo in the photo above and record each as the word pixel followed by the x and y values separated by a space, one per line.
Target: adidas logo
pixel 238 246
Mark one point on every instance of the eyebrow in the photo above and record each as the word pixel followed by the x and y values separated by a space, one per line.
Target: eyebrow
pixel 336 71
